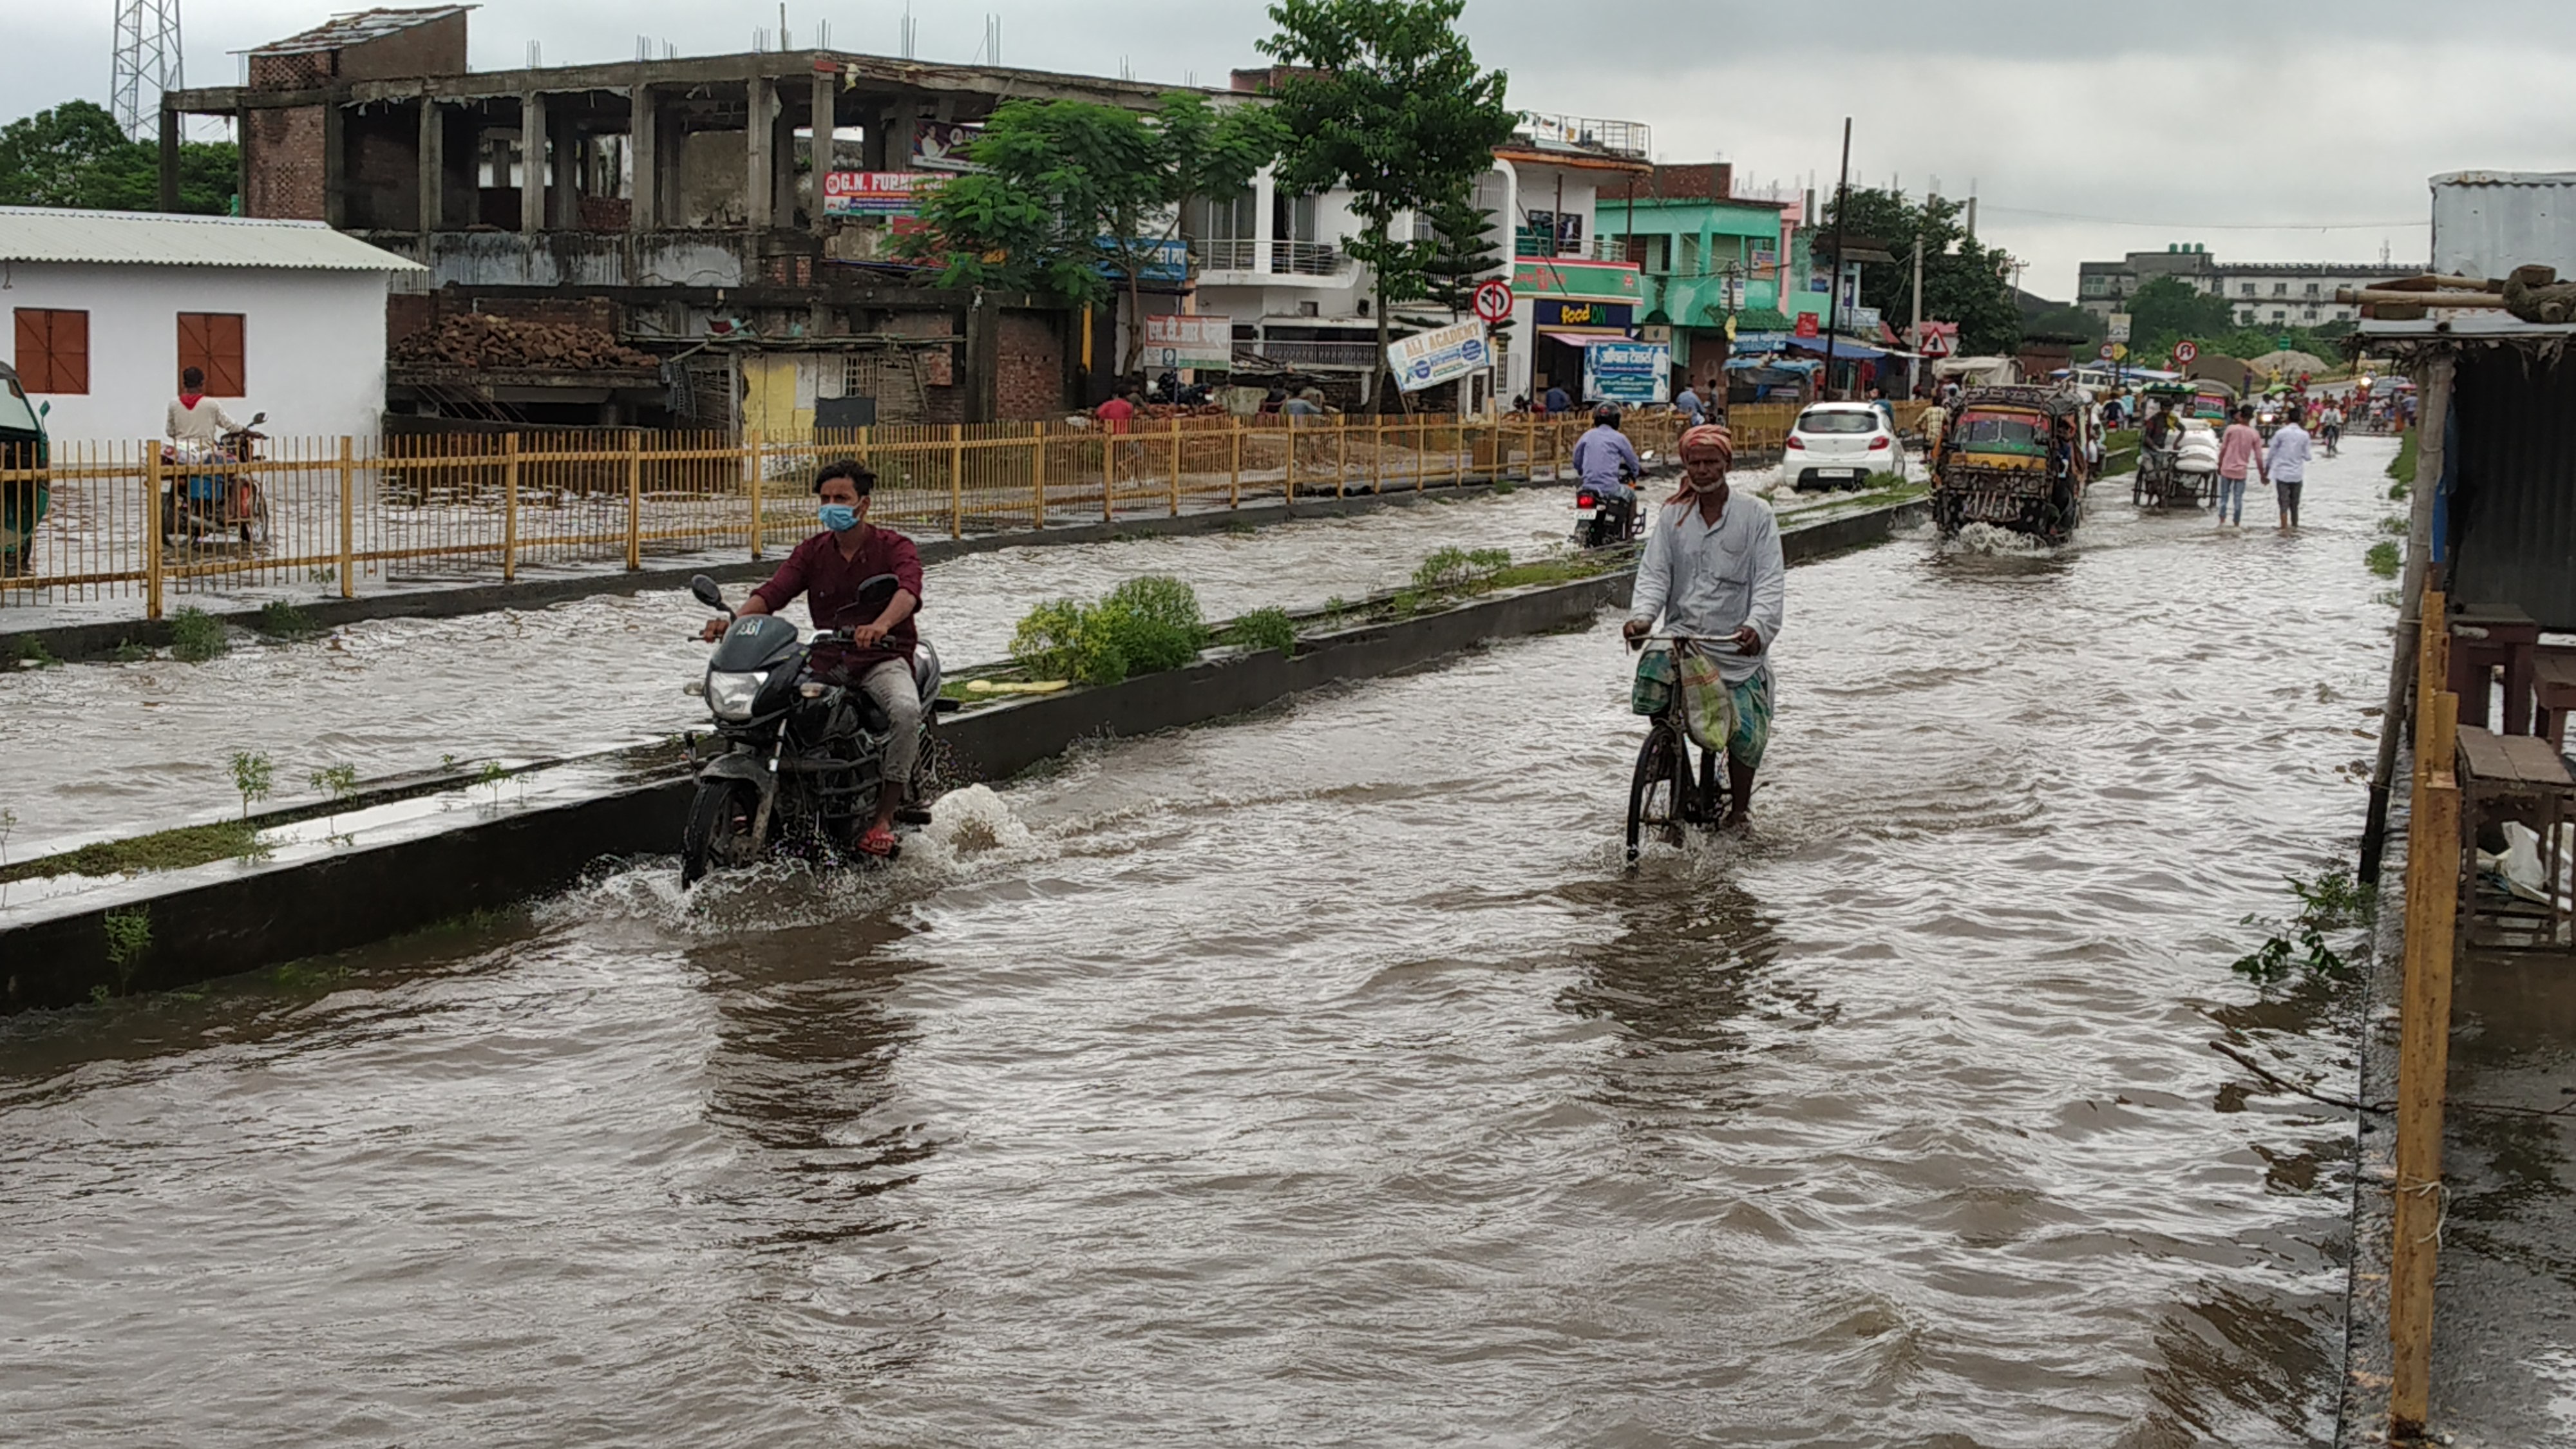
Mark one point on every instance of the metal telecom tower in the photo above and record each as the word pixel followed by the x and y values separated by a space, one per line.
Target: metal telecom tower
pixel 147 63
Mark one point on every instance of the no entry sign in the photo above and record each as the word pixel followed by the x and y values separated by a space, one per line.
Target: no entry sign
pixel 1494 300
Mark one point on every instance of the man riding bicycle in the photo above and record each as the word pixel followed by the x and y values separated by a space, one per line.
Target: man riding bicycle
pixel 1605 460
pixel 1713 571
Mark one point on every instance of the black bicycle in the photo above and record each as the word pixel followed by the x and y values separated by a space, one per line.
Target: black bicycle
pixel 1664 798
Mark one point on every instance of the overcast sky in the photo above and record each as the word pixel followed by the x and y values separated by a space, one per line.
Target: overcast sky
pixel 2286 132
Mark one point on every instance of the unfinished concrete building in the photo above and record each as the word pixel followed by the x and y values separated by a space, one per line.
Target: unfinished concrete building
pixel 738 208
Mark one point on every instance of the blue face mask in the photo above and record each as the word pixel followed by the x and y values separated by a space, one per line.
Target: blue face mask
pixel 838 517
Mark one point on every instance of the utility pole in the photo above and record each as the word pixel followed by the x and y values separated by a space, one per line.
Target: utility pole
pixel 1914 339
pixel 1834 298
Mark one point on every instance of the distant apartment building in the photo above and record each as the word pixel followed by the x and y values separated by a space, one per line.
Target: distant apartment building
pixel 2263 294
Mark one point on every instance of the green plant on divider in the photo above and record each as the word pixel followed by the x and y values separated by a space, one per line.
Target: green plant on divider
pixel 337 783
pixel 129 935
pixel 1450 571
pixel 197 636
pixel 253 774
pixel 2383 559
pixel 32 654
pixel 1144 625
pixel 1063 639
pixel 279 619
pixel 2393 525
pixel 1264 629
pixel 129 652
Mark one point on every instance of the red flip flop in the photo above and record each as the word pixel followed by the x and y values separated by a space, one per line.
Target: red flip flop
pixel 879 842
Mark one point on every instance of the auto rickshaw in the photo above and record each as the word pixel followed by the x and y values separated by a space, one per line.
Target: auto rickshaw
pixel 2016 457
pixel 25 453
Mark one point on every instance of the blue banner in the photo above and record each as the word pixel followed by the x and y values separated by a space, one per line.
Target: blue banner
pixel 1631 373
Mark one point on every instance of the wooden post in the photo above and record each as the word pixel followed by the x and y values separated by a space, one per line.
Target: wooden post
pixel 1341 453
pixel 634 502
pixel 152 504
pixel 509 508
pixel 1176 465
pixel 1377 454
pixel 1421 453
pixel 956 480
pixel 2433 852
pixel 1529 455
pixel 1037 480
pixel 1234 469
pixel 759 464
pixel 1458 448
pixel 1109 449
pixel 348 517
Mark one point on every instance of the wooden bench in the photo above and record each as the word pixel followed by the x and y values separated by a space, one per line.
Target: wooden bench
pixel 2553 689
pixel 2520 778
pixel 2486 638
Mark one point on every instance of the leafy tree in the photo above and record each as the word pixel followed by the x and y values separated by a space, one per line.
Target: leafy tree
pixel 2067 321
pixel 1462 254
pixel 1964 281
pixel 75 156
pixel 1389 102
pixel 1070 194
pixel 2165 310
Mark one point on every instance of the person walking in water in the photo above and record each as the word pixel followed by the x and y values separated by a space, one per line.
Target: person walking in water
pixel 2287 464
pixel 2240 449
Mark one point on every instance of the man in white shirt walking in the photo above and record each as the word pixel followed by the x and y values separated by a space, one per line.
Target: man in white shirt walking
pixel 1713 570
pixel 2287 465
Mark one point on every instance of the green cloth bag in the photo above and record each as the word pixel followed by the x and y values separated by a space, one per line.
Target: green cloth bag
pixel 1708 706
pixel 1652 693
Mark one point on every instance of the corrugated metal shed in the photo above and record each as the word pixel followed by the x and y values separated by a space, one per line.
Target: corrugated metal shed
pixel 2486 223
pixel 2512 509
pixel 46 234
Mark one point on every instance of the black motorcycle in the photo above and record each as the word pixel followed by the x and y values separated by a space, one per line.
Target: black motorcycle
pixel 798 753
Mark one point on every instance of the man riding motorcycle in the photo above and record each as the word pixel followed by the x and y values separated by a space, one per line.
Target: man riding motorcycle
pixel 1605 461
pixel 828 569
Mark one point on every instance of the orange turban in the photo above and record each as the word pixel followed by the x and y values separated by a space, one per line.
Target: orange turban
pixel 1710 437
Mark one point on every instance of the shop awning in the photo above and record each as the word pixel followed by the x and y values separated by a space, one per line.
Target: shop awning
pixel 1845 349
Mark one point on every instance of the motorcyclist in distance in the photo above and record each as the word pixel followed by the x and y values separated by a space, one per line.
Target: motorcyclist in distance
pixel 1606 461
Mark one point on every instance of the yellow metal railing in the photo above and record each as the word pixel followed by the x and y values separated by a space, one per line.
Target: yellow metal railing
pixel 313 516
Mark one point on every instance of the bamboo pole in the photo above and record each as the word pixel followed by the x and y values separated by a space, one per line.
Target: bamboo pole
pixel 634 501
pixel 153 502
pixel 510 507
pixel 1458 449
pixel 1176 465
pixel 956 480
pixel 759 473
pixel 2434 385
pixel 1234 468
pixel 348 516
pixel 1108 471
pixel 1377 453
pixel 2433 864
pixel 1341 454
pixel 1529 457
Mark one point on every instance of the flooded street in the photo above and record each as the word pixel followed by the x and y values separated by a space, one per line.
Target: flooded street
pixel 1323 1077
pixel 397 695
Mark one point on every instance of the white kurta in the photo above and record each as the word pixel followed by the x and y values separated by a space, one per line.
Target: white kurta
pixel 1713 580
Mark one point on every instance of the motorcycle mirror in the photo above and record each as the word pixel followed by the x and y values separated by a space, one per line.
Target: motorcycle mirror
pixel 875 594
pixel 258 418
pixel 704 590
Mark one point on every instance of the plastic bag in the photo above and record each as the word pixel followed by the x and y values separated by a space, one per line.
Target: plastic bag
pixel 1652 693
pixel 1708 706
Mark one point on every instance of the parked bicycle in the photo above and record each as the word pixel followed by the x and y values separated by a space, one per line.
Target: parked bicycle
pixel 1665 795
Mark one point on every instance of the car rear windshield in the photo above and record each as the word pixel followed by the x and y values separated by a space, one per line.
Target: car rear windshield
pixel 2002 432
pixel 14 411
pixel 1838 422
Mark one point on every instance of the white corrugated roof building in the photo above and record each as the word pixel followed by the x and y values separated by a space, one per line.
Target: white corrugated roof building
pixel 47 234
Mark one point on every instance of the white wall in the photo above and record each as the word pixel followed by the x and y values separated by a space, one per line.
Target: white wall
pixel 313 344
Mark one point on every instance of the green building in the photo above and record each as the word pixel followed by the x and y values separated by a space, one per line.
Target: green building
pixel 1708 258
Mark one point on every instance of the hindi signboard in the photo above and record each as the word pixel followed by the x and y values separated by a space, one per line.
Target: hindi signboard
pixel 1428 359
pixel 1200 341
pixel 1630 373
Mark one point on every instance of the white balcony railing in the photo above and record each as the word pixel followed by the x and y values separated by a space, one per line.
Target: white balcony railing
pixel 1287 258
pixel 1634 140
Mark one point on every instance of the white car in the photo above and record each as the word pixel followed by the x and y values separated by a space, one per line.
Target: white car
pixel 1838 445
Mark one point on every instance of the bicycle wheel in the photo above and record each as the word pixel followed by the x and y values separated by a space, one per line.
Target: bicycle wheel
pixel 1658 790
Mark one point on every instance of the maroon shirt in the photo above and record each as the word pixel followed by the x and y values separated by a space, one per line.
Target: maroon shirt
pixel 830 583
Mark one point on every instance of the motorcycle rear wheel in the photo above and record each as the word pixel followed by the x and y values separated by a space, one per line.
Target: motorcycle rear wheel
pixel 718 833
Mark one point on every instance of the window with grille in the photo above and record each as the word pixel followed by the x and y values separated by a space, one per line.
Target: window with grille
pixel 212 341
pixel 53 350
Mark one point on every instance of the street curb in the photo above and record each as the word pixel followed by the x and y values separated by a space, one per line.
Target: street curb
pixel 235 916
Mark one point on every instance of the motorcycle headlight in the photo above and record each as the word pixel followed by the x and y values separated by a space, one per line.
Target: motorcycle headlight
pixel 729 696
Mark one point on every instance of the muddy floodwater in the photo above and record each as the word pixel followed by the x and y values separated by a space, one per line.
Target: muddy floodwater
pixel 1322 1078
